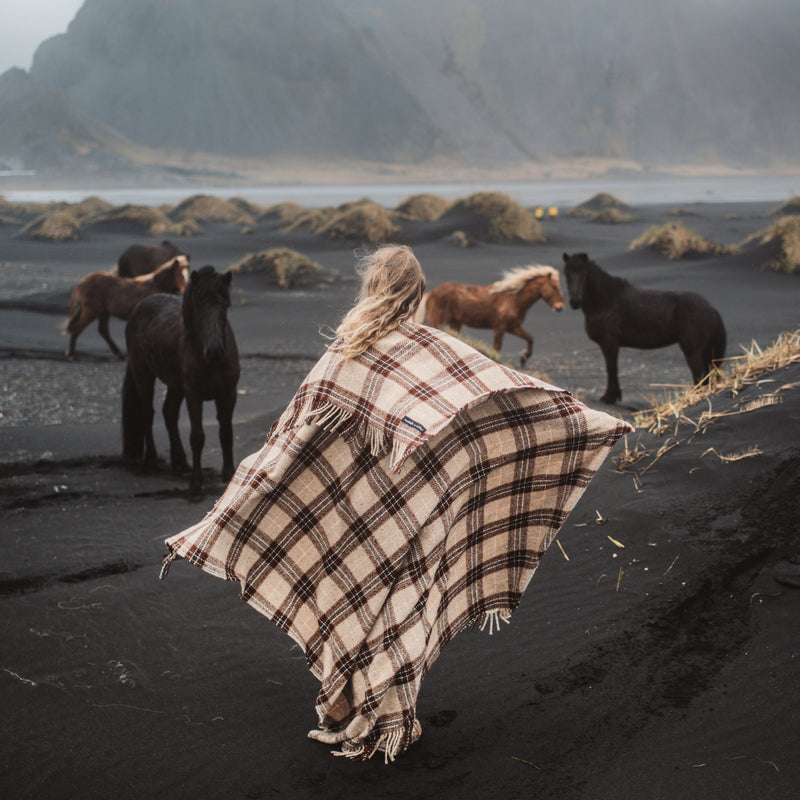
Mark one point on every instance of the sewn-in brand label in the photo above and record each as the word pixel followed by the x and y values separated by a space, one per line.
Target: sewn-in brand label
pixel 414 424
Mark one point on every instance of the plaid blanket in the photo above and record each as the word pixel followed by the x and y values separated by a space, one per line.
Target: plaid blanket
pixel 403 496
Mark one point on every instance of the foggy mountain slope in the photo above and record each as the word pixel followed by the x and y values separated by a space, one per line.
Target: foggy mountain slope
pixel 41 126
pixel 234 76
pixel 487 82
pixel 686 80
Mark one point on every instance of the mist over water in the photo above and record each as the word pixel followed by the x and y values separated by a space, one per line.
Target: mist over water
pixel 527 193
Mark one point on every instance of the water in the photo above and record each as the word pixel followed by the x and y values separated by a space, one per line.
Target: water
pixel 635 191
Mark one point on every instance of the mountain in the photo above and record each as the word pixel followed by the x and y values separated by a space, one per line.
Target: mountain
pixel 485 82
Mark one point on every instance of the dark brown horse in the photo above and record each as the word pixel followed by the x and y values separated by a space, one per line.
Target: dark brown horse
pixel 618 314
pixel 102 295
pixel 141 259
pixel 501 306
pixel 189 345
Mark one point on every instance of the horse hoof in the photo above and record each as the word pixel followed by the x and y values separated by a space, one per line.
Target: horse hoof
pixel 609 400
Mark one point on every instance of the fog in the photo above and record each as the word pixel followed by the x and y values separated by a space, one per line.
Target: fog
pixel 25 24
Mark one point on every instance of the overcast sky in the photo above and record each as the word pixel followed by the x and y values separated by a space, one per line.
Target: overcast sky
pixel 25 24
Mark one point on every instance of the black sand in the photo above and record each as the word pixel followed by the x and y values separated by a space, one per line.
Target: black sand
pixel 667 668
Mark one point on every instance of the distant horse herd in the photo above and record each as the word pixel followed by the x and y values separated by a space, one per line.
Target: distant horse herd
pixel 188 343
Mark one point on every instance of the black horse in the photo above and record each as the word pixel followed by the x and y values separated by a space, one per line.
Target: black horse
pixel 142 259
pixel 189 345
pixel 618 314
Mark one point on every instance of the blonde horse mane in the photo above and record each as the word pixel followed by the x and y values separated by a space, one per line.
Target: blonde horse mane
pixel 514 279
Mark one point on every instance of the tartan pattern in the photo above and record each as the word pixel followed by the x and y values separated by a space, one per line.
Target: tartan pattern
pixel 372 542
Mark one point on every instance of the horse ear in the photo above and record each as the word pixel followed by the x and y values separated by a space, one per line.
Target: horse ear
pixel 227 277
pixel 193 276
pixel 565 256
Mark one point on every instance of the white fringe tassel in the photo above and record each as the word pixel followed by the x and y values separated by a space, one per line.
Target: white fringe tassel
pixel 329 417
pixel 494 618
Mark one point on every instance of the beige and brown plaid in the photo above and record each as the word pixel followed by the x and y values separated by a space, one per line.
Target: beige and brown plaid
pixel 403 496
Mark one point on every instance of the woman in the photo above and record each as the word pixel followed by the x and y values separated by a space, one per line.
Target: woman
pixel 407 492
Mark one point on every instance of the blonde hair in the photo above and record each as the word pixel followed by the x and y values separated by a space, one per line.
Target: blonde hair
pixel 392 285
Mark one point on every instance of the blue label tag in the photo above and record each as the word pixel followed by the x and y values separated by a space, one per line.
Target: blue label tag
pixel 414 424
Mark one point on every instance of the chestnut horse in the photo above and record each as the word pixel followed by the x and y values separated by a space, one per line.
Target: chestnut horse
pixel 501 306
pixel 101 295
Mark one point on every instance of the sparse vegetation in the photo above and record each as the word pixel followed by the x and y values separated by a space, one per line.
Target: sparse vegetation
pixel 424 207
pixel 284 268
pixel 59 226
pixel 784 233
pixel 675 241
pixel 501 219
pixel 208 208
pixel 790 207
pixel 602 204
pixel 738 372
pixel 611 216
pixel 145 219
pixel 365 221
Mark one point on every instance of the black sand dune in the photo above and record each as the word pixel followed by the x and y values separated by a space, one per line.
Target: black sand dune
pixel 656 651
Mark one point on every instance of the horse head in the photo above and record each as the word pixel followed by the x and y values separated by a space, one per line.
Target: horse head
pixel 205 312
pixel 551 291
pixel 575 269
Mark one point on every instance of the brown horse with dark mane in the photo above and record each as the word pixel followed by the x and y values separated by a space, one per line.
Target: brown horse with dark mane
pixel 501 306
pixel 102 295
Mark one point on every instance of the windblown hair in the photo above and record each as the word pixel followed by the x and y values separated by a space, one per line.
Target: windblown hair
pixel 514 279
pixel 392 285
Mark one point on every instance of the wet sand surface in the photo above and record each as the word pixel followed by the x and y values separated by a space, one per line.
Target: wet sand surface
pixel 665 668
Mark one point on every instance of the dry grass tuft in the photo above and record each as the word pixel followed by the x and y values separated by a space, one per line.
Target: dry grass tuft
pixel 283 267
pixel 503 221
pixel 283 212
pixel 785 233
pixel 611 216
pixel 364 221
pixel 152 221
pixel 424 207
pixel 208 208
pixel 59 226
pixel 90 206
pixel 460 239
pixel 594 206
pixel 675 241
pixel 790 207
pixel 739 372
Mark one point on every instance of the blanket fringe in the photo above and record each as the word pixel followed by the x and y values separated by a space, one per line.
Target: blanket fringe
pixel 165 564
pixel 328 417
pixel 389 743
pixel 494 618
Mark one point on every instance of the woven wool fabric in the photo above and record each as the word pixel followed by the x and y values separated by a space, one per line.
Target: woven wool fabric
pixel 403 495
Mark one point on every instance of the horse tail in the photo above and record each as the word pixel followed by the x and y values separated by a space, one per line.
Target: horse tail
pixel 74 313
pixel 132 418
pixel 422 309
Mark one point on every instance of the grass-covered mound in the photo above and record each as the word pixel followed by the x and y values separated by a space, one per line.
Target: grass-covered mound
pixel 284 268
pixel 134 219
pixel 495 218
pixel 362 221
pixel 424 207
pixel 283 212
pixel 602 205
pixel 784 238
pixel 675 241
pixel 365 222
pixel 57 226
pixel 790 208
pixel 737 372
pixel 208 208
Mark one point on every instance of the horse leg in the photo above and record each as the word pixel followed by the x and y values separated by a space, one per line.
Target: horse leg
pixel 145 385
pixel 194 405
pixel 613 392
pixel 498 339
pixel 225 407
pixel 102 326
pixel 171 410
pixel 518 330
